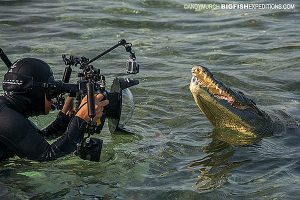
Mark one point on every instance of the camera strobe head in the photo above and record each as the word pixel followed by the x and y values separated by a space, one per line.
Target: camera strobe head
pixel 133 66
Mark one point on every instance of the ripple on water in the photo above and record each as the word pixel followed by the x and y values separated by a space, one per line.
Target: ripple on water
pixel 176 154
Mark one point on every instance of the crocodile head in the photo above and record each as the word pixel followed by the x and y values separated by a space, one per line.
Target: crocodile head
pixel 226 108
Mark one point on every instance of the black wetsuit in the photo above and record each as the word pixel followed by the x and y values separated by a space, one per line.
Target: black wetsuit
pixel 19 136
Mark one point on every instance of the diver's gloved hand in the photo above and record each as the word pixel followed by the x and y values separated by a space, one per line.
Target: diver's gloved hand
pixel 99 106
pixel 68 107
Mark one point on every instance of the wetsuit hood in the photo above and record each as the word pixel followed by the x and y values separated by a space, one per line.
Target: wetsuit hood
pixel 23 85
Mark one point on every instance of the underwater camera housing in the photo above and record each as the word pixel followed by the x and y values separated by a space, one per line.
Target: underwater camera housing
pixel 91 82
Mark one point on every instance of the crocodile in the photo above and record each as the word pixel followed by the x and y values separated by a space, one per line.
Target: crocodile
pixel 232 112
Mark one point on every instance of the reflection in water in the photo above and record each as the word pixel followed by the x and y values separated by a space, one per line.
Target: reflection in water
pixel 217 165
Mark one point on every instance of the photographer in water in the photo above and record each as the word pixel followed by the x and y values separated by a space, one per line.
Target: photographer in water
pixel 26 95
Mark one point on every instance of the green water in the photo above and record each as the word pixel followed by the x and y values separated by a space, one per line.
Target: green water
pixel 175 153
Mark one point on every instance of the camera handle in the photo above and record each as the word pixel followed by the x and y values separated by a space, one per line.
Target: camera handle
pixel 91 99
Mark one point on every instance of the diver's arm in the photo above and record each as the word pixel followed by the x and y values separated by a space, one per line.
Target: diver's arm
pixel 57 127
pixel 74 133
pixel 33 146
pixel 23 138
pixel 65 144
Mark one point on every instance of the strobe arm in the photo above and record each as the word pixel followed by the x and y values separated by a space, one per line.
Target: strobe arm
pixel 121 42
pixel 133 66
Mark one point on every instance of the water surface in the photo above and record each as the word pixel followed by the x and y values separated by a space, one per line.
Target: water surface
pixel 175 153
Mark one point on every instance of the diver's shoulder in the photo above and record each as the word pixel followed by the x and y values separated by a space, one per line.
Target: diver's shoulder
pixel 7 112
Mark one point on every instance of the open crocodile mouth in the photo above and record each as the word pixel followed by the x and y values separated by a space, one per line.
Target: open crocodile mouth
pixel 205 79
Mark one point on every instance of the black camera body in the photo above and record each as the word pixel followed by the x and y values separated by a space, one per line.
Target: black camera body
pixel 90 149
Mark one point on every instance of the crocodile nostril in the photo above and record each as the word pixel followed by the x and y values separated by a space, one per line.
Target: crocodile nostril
pixel 197 70
pixel 194 69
